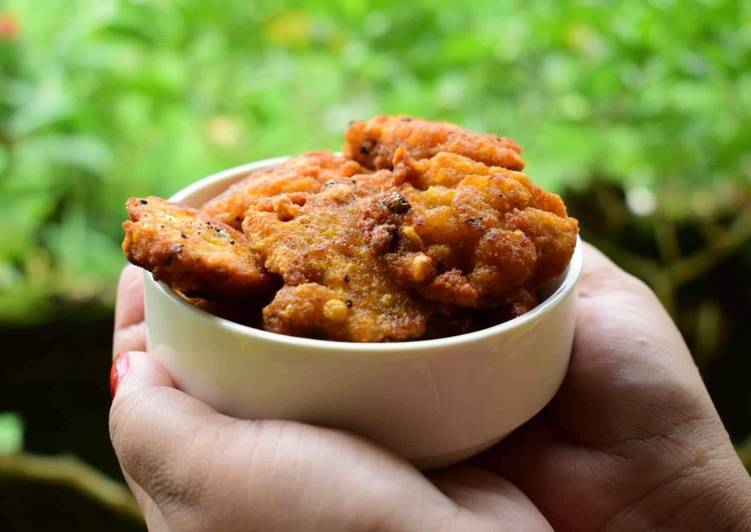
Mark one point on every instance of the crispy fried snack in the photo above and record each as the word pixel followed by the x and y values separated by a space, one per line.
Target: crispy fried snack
pixel 422 230
pixel 191 251
pixel 299 175
pixel 336 287
pixel 460 232
pixel 374 142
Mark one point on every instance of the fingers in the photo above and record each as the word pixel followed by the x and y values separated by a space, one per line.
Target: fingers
pixel 491 497
pixel 567 482
pixel 619 318
pixel 619 315
pixel 137 371
pixel 195 469
pixel 151 512
pixel 130 330
pixel 132 338
pixel 147 432
pixel 206 471
pixel 631 374
pixel 129 309
pixel 595 260
pixel 151 425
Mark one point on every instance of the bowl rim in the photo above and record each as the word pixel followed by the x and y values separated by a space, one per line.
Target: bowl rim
pixel 567 285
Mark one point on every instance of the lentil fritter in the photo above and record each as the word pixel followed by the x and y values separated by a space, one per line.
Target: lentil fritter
pixel 420 229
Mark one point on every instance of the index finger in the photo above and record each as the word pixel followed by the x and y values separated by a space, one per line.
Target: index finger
pixel 130 329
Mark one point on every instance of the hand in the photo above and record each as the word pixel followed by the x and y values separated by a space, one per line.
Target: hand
pixel 627 443
pixel 632 440
pixel 192 468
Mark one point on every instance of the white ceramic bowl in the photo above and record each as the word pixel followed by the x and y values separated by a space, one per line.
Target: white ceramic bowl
pixel 434 402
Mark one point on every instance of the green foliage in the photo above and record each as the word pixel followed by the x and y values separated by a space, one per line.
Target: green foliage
pixel 11 433
pixel 102 99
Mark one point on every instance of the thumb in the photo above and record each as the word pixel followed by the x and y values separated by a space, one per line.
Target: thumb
pixel 146 372
pixel 156 430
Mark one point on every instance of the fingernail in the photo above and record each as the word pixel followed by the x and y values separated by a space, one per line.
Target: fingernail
pixel 120 366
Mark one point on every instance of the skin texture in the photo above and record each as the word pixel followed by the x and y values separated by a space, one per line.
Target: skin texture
pixel 374 142
pixel 191 251
pixel 460 232
pixel 304 174
pixel 631 442
pixel 335 287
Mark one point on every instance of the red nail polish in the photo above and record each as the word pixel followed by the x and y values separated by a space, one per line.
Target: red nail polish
pixel 120 366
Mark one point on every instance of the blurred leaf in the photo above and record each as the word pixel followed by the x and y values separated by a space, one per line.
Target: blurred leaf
pixel 132 97
pixel 86 259
pixel 290 28
pixel 11 433
pixel 78 151
pixel 39 106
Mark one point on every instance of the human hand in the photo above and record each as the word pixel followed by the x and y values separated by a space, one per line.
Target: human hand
pixel 192 468
pixel 632 440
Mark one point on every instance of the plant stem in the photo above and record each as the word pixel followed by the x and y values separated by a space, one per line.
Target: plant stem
pixel 724 244
pixel 74 473
pixel 666 238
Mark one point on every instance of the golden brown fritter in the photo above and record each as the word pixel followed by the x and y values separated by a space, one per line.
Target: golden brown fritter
pixel 422 230
pixel 374 142
pixel 460 232
pixel 302 175
pixel 336 287
pixel 191 251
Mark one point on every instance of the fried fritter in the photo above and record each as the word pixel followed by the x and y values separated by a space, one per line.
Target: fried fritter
pixel 336 287
pixel 422 230
pixel 191 251
pixel 301 175
pixel 460 232
pixel 374 142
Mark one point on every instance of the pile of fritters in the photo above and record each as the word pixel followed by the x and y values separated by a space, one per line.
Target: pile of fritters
pixel 422 229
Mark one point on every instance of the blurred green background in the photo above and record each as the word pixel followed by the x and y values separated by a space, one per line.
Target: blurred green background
pixel 639 113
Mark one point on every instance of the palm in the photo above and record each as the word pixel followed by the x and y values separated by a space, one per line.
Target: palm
pixel 619 432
